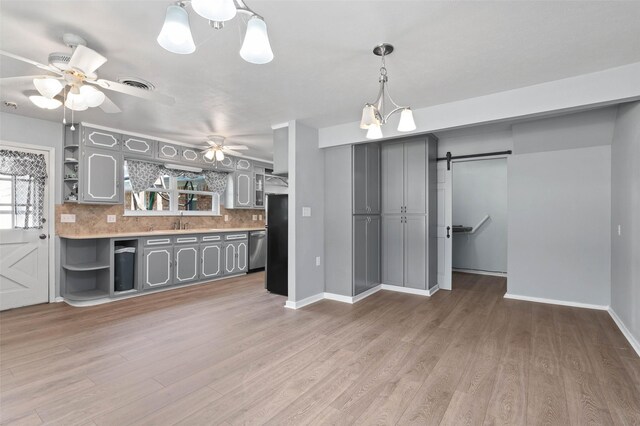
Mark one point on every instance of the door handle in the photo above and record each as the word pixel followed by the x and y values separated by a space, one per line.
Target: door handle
pixel 42 236
pixel 448 234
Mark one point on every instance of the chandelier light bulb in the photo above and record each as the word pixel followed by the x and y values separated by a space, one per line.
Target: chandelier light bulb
pixel 256 48
pixel 219 155
pixel 374 132
pixel 407 123
pixel 48 87
pixel 368 116
pixel 44 102
pixel 92 96
pixel 175 35
pixel 215 10
pixel 75 102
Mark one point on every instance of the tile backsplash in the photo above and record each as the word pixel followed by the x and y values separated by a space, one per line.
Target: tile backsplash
pixel 92 219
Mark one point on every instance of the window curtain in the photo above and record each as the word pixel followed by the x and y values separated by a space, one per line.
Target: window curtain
pixel 29 173
pixel 142 175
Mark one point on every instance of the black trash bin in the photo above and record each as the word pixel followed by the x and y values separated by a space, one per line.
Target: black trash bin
pixel 124 268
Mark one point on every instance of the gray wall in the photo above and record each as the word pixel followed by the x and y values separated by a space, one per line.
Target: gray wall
pixel 338 220
pixel 306 234
pixel 559 208
pixel 479 189
pixel 625 211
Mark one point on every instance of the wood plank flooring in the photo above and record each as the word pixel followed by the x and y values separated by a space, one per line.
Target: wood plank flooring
pixel 230 353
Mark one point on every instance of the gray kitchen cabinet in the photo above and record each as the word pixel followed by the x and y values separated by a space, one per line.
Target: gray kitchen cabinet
pixel 243 164
pixel 281 151
pixel 243 189
pixel 392 173
pixel 415 252
pixel 186 264
pixel 157 268
pixel 258 188
pixel 393 250
pixel 235 257
pixel 135 146
pixel 101 177
pixel 167 151
pixel 227 164
pixel 366 179
pixel 98 138
pixel 211 261
pixel 190 156
pixel 366 253
pixel 415 177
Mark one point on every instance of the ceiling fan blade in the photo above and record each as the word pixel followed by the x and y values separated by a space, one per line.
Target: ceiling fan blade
pixel 133 91
pixel 109 107
pixel 24 80
pixel 232 152
pixel 86 60
pixel 237 147
pixel 49 68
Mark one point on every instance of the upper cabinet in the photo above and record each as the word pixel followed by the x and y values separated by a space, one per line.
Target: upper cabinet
pixel 138 147
pixel 366 179
pixel 167 151
pixel 243 164
pixel 97 138
pixel 190 155
pixel 404 177
pixel 101 176
pixel 227 164
pixel 281 151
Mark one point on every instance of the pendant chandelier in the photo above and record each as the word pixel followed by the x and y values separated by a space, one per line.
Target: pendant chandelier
pixel 374 114
pixel 175 35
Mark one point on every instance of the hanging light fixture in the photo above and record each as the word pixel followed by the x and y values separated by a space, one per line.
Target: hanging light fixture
pixel 175 35
pixel 374 114
pixel 44 102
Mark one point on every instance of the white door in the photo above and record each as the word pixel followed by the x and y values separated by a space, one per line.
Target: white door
pixel 445 233
pixel 24 253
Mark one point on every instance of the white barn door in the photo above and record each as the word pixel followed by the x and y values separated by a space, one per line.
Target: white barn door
pixel 445 231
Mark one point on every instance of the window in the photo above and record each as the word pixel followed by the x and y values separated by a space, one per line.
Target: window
pixel 12 210
pixel 170 196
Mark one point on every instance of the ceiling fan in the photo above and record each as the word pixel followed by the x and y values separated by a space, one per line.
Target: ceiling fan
pixel 217 149
pixel 75 76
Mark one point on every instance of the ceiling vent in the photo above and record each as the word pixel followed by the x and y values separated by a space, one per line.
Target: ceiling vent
pixel 137 82
pixel 60 60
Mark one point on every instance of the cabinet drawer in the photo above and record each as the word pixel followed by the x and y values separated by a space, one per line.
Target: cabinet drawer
pixel 211 238
pixel 156 241
pixel 101 138
pixel 136 146
pixel 185 239
pixel 243 164
pixel 190 155
pixel 235 236
pixel 227 163
pixel 167 151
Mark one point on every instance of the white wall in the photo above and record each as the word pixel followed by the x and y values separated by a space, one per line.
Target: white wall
pixel 625 212
pixel 480 189
pixel 306 234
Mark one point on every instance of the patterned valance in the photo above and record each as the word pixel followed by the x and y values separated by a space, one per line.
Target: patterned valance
pixel 29 173
pixel 142 176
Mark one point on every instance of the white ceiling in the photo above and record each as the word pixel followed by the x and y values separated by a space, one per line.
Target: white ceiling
pixel 323 69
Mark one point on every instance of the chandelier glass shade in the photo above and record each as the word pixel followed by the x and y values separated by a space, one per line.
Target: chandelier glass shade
pixel 374 114
pixel 175 35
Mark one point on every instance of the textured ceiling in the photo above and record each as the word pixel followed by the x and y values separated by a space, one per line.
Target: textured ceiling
pixel 323 69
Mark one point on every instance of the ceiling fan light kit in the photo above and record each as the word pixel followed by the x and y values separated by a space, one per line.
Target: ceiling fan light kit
pixel 48 87
pixel 374 114
pixel 44 102
pixel 175 35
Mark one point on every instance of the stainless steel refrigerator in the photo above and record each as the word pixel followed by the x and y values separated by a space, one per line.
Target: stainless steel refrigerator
pixel 276 275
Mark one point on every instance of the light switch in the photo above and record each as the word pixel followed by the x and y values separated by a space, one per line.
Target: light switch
pixel 259 217
pixel 111 218
pixel 619 230
pixel 306 212
pixel 68 218
pixel 255 217
pixel 318 261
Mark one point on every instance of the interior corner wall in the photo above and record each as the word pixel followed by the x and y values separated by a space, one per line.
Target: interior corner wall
pixel 559 195
pixel 306 233
pixel 625 213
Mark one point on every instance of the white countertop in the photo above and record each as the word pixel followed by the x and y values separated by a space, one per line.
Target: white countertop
pixel 157 232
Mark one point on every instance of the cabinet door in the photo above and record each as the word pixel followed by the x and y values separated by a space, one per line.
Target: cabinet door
pixel 212 261
pixel 101 176
pixel 226 164
pixel 392 181
pixel 258 189
pixel 415 177
pixel 392 250
pixel 360 179
pixel 138 147
pixel 167 151
pixel 373 178
pixel 243 190
pixel 373 251
pixel 243 164
pixel 186 263
pixel 190 156
pixel 359 254
pixel 157 265
pixel 104 139
pixel 230 263
pixel 415 252
pixel 242 256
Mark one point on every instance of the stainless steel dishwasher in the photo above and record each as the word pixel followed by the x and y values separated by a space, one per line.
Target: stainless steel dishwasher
pixel 257 250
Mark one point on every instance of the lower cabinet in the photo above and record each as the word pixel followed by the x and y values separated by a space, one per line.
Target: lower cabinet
pixel 187 261
pixel 157 267
pixel 404 251
pixel 211 261
pixel 366 253
pixel 235 257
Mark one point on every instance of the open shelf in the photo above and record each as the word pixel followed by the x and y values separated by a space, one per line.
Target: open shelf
pixel 87 295
pixel 87 266
pixel 86 269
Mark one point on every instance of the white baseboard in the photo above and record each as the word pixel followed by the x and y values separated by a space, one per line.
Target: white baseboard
pixel 409 290
pixel 367 293
pixel 339 298
pixel 478 272
pixel 304 302
pixel 625 331
pixel 556 302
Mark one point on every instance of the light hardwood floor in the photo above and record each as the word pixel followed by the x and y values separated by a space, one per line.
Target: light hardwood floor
pixel 229 353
